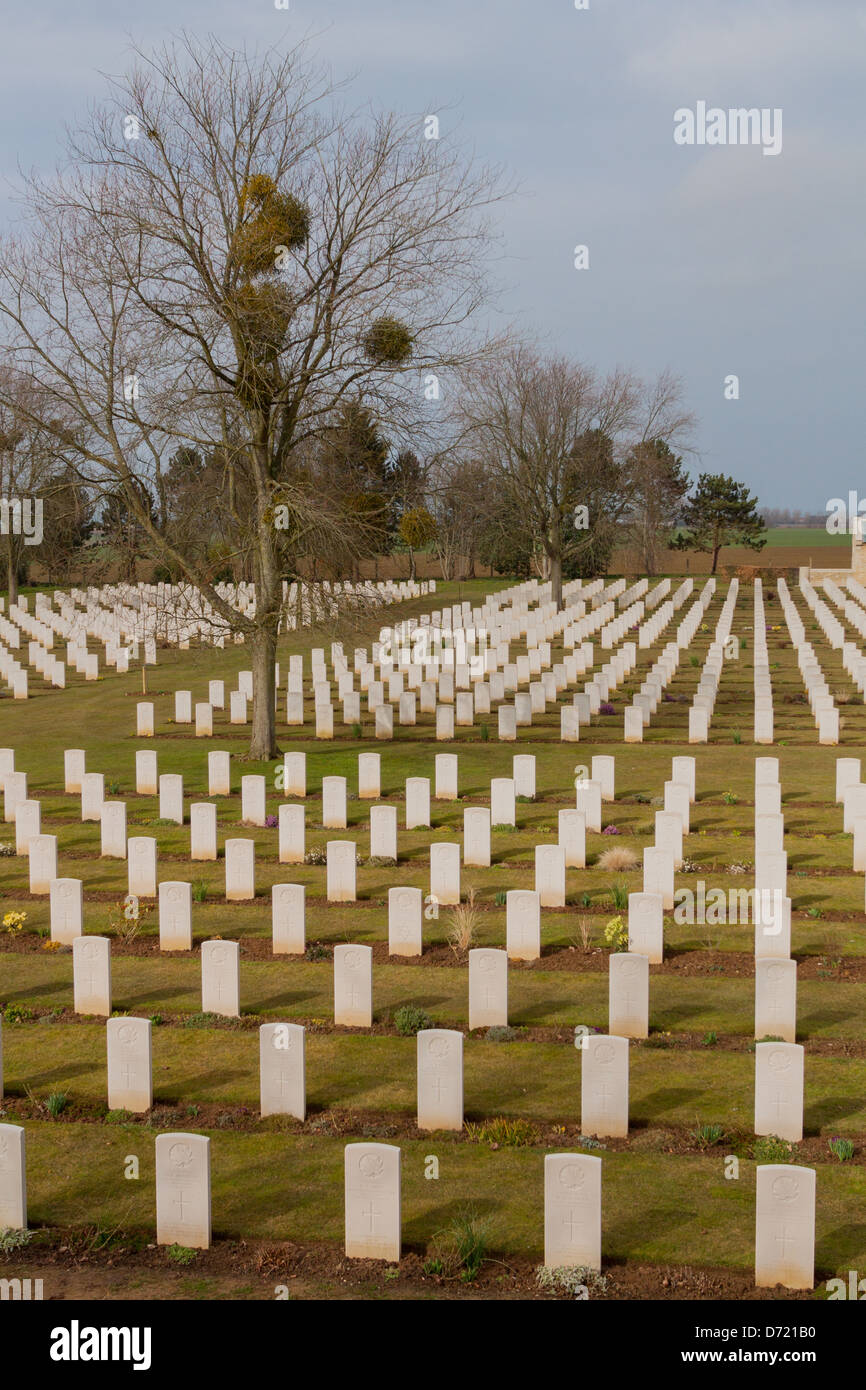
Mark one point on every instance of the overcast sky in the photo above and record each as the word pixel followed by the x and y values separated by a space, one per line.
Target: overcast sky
pixel 710 260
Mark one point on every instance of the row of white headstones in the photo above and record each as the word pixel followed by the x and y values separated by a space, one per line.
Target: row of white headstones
pixel 660 861
pixel 784 1207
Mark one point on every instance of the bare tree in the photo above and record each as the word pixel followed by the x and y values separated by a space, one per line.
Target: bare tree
pixel 229 256
pixel 556 439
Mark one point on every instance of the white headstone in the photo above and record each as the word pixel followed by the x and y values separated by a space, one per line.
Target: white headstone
pixel 183 1202
pixel 91 975
pixel 353 986
pixel 628 995
pixel 240 870
pixel 372 1187
pixel 130 1068
pixel 341 861
pixel 66 901
pixel 287 919
pixel 440 1079
pixel 220 978
pixel 175 916
pixel 572 1211
pixel 776 998
pixel 282 1073
pixel 488 988
pixel 785 1226
pixel 523 924
pixel 779 1090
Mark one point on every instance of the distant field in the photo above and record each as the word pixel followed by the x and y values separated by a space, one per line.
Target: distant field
pixel 810 536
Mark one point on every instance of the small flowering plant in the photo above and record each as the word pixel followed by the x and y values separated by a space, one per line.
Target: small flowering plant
pixel 610 830
pixel 14 921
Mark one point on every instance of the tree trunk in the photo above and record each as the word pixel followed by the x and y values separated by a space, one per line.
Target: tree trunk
pixel 269 595
pixel 715 558
pixel 556 581
pixel 11 573
pixel 411 564
pixel 263 742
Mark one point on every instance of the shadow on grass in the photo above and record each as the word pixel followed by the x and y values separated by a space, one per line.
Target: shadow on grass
pixel 659 1102
pixel 61 1073
pixel 836 1251
pixel 62 987
pixel 824 1113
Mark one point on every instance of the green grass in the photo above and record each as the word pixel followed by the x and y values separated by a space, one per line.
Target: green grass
pixel 284 1181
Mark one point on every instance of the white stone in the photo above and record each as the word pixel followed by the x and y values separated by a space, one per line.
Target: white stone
pixel 405 921
pixel 550 875
pixel 417 803
pixel 171 798
pixel 203 720
pixel 588 801
pixel 445 873
pixel 383 832
pixel 130 1065
pixel 440 1079
pixel 66 905
pixel 91 975
pixel 334 803
pixel 372 1202
pixel 847 775
pixel 74 760
pixel 476 837
pixel 658 874
pixel 240 858
pixel 628 995
pixel 523 924
pixel 282 1071
pixel 785 1226
pixel 183 1200
pixel 288 919
pixel 488 988
pixel 219 776
pixel 572 1211
pixel 141 866
pixel 92 796
pixel 507 723
pixel 42 856
pixel 112 831
pixel 203 830
pixel 604 1086
pixel 369 776
pixel 14 791
pixel 28 817
pixel 669 835
pixel 144 720
pixel 353 986
pixel 776 998
pixel 220 978
pixel 341 863
pixel 779 1090
pixel 646 926
pixel 446 776
pixel 523 774
pixel 146 779
pixel 253 800
pixel 683 770
pixel 572 838
pixel 292 835
pixel 13 1178
pixel 295 774
pixel 175 915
